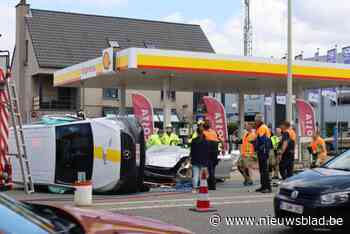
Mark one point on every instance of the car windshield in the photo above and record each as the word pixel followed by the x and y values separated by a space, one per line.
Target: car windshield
pixel 26 212
pixel 342 162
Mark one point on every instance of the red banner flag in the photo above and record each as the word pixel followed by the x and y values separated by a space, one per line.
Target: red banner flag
pixel 306 116
pixel 217 117
pixel 4 126
pixel 143 112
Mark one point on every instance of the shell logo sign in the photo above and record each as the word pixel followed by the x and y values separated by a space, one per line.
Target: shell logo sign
pixel 106 60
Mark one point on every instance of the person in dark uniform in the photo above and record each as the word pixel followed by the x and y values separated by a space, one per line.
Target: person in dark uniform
pixel 263 146
pixel 199 157
pixel 213 139
pixel 287 152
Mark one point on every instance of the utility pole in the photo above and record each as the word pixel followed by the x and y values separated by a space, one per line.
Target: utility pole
pixel 289 111
pixel 247 30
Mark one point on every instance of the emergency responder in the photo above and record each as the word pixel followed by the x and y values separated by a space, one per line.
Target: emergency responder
pixel 276 146
pixel 318 150
pixel 213 139
pixel 155 138
pixel 263 146
pixel 169 137
pixel 247 154
pixel 194 131
pixel 199 156
pixel 287 151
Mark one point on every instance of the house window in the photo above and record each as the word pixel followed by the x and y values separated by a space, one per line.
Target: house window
pixel 110 93
pixel 26 55
pixel 172 95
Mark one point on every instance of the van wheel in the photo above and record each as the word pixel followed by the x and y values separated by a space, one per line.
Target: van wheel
pixel 185 169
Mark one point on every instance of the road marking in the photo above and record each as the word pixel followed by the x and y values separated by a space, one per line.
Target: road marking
pixel 181 200
pixel 189 205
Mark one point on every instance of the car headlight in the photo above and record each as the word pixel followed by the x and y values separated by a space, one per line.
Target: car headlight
pixel 335 198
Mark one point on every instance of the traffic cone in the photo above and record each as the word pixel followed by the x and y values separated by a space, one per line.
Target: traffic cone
pixel 203 201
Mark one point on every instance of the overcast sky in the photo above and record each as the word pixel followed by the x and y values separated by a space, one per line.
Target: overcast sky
pixel 317 24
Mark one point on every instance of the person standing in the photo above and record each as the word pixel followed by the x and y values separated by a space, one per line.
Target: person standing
pixel 276 146
pixel 263 146
pixel 288 149
pixel 169 137
pixel 155 138
pixel 199 154
pixel 318 150
pixel 213 139
pixel 247 154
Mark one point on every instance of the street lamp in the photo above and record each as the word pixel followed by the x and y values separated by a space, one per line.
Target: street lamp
pixel 289 112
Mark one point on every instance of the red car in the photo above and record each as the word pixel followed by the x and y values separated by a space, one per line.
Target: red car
pixel 36 218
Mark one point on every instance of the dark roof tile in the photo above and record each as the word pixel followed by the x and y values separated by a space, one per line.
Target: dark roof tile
pixel 62 39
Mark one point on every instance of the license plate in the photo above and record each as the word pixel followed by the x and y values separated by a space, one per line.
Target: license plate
pixel 298 209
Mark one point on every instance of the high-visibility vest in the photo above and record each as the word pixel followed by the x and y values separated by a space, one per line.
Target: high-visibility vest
pixel 211 135
pixel 275 142
pixel 153 140
pixel 247 148
pixel 263 130
pixel 292 134
pixel 194 135
pixel 171 139
pixel 319 148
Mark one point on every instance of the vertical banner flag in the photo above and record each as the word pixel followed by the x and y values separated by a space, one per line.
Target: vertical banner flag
pixel 4 125
pixel 306 116
pixel 346 54
pixel 332 56
pixel 217 117
pixel 143 112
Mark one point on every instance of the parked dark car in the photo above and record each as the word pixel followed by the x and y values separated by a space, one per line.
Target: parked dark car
pixel 317 193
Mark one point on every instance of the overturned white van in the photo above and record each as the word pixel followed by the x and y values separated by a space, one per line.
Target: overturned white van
pixel 111 152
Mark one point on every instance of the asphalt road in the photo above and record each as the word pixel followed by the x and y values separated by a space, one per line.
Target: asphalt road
pixel 230 199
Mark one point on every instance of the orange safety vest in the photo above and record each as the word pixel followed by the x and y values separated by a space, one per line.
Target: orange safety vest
pixel 263 130
pixel 292 134
pixel 319 148
pixel 247 148
pixel 211 135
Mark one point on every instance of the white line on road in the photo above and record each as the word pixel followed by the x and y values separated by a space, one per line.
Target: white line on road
pixel 181 200
pixel 190 205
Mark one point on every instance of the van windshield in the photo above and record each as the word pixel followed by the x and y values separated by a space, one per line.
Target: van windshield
pixel 342 162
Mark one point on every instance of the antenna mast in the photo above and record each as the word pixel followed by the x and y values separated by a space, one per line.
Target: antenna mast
pixel 247 30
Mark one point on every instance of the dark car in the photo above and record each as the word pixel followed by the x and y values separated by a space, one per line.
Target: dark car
pixel 17 217
pixel 320 195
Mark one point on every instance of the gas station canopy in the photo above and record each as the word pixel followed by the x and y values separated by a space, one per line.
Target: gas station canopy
pixel 146 69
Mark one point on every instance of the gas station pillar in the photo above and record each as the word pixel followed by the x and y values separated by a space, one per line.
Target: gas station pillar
pixel 166 103
pixel 122 111
pixel 241 113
